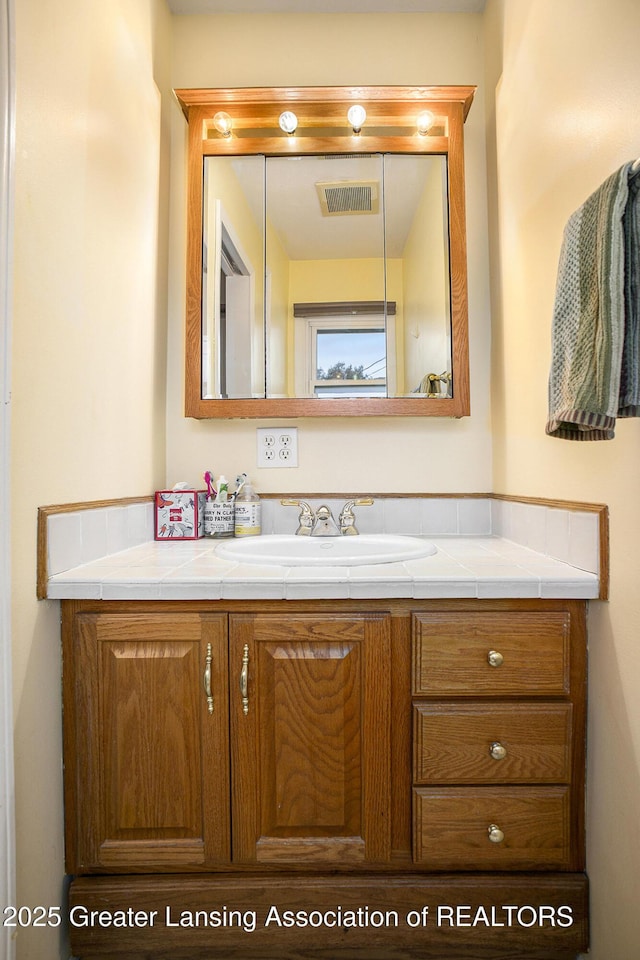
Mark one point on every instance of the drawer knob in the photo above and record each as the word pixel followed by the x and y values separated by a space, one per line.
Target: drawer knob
pixel 497 751
pixel 494 658
pixel 495 833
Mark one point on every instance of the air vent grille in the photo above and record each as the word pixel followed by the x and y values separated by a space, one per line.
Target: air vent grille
pixel 348 197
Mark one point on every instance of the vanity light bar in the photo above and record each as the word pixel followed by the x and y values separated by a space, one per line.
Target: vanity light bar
pixel 356 117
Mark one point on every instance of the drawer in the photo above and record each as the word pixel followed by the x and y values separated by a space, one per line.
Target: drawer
pixel 491 654
pixel 491 828
pixel 492 743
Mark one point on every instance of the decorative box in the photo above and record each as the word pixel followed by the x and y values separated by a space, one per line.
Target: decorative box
pixel 180 514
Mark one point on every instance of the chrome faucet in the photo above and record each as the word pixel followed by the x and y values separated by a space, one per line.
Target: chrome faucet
pixel 306 518
pixel 324 524
pixel 348 518
pixel 321 523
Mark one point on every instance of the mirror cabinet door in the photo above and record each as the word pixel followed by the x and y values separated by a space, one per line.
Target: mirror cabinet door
pixel 233 343
pixel 326 319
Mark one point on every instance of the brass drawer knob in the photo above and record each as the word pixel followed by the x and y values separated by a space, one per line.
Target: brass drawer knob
pixel 494 659
pixel 497 751
pixel 495 833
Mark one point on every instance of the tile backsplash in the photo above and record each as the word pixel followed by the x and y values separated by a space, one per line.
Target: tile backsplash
pixel 571 535
pixel 85 535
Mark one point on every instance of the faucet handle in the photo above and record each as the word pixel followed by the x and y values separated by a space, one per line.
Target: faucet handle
pixel 306 518
pixel 347 516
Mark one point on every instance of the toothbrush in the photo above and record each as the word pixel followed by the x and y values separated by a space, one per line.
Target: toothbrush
pixel 208 479
pixel 241 479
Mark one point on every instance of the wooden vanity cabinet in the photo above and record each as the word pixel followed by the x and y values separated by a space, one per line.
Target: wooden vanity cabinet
pixel 310 738
pixel 146 761
pixel 390 754
pixel 200 739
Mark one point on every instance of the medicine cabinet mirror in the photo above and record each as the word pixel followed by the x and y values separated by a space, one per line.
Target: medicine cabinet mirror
pixel 326 252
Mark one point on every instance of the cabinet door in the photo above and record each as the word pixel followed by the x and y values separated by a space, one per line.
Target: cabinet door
pixel 147 780
pixel 310 733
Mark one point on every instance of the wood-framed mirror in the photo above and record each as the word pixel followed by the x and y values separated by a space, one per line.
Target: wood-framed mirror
pixel 326 253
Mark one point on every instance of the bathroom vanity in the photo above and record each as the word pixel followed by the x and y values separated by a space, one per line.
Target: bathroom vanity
pixel 376 776
pixel 389 755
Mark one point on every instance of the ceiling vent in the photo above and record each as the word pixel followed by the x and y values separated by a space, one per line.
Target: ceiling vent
pixel 345 197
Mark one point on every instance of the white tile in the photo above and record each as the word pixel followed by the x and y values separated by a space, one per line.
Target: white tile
pixel 196 590
pixel 584 534
pixel 70 590
pixel 450 588
pixel 130 590
pixel 496 509
pixel 438 517
pixel 270 511
pixel 139 523
pixel 474 517
pixel 116 529
pixel 377 572
pixel 494 589
pixel 375 589
pixel 557 534
pixel 371 519
pixel 94 534
pixel 202 568
pixel 401 516
pixel 252 590
pixel 528 525
pixel 570 589
pixel 332 586
pixel 64 542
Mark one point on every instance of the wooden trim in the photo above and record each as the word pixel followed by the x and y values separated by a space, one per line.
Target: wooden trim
pixel 316 407
pixel 42 552
pixel 213 99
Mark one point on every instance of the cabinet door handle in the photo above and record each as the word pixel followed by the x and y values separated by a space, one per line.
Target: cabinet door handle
pixel 495 833
pixel 497 750
pixel 494 658
pixel 207 679
pixel 244 679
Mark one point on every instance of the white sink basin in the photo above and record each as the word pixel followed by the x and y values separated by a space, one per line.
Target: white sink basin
pixel 292 551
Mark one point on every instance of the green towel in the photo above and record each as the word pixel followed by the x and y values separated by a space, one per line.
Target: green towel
pixel 630 374
pixel 589 317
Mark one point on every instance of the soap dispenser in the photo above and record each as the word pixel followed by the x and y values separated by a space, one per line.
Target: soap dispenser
pixel 247 514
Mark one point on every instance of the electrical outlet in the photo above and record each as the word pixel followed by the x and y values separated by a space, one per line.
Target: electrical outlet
pixel 277 446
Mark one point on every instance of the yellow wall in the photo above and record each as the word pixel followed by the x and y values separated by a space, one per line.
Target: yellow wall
pixel 89 343
pixel 565 113
pixel 318 49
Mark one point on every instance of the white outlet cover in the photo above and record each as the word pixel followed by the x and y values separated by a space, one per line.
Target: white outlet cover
pixel 277 447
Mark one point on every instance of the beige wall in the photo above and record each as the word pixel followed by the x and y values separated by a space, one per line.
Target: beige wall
pixel 307 49
pixel 89 320
pixel 567 88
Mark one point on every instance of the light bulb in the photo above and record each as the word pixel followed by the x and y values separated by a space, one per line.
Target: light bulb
pixel 356 116
pixel 222 123
pixel 424 122
pixel 288 122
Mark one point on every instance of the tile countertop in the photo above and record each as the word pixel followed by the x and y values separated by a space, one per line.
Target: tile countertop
pixel 463 567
